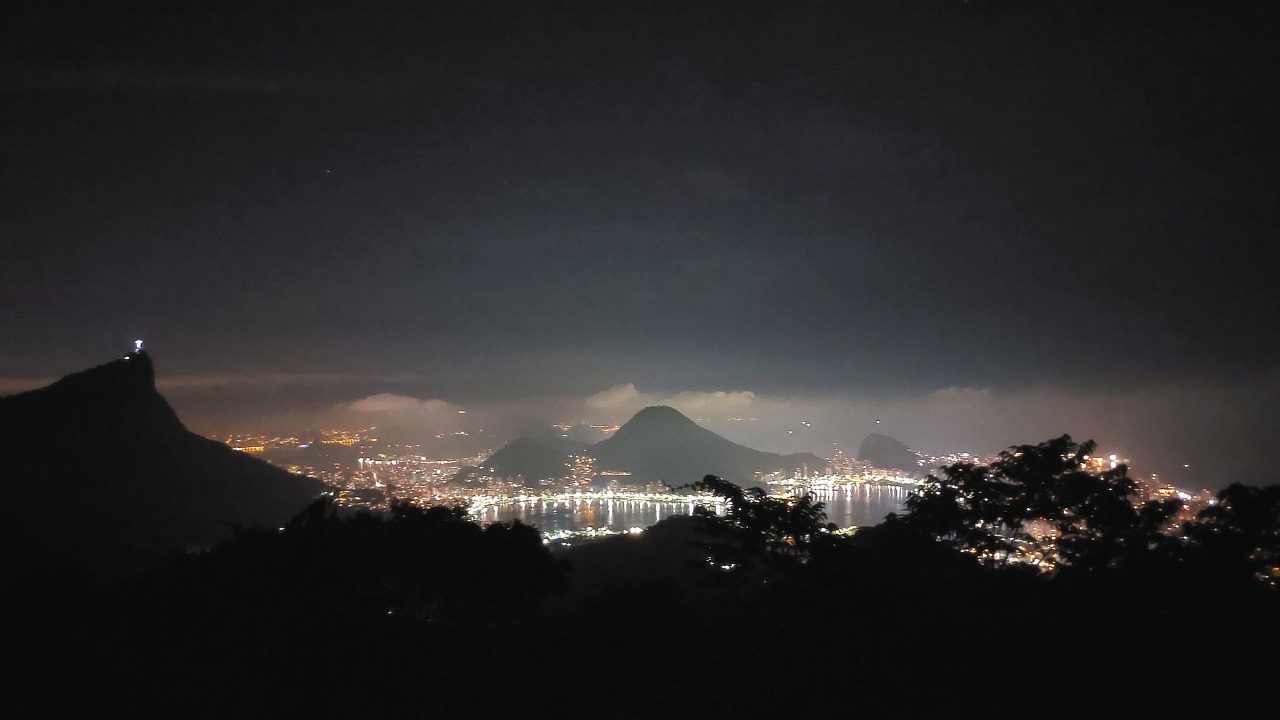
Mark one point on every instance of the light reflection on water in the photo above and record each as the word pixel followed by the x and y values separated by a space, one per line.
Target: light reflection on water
pixel 857 505
pixel 862 505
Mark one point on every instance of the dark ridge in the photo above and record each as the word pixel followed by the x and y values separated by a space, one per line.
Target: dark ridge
pixel 110 402
pixel 528 459
pixel 553 438
pixel 98 472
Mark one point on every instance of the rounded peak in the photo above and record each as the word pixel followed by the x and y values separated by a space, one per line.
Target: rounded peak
pixel 655 416
pixel 660 411
pixel 881 438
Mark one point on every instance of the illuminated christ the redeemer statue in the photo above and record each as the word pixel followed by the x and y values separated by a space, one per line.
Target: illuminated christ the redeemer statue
pixel 137 346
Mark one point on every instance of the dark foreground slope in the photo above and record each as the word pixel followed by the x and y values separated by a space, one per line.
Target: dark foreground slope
pixel 97 471
pixel 427 615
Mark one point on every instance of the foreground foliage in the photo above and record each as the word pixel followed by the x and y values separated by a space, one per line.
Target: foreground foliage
pixel 1041 505
pixel 422 613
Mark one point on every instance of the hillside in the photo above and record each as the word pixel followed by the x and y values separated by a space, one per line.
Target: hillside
pixel 883 451
pixel 527 458
pixel 99 472
pixel 659 443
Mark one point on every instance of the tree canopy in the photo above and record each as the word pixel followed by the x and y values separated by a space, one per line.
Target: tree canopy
pixel 1241 531
pixel 759 529
pixel 1040 504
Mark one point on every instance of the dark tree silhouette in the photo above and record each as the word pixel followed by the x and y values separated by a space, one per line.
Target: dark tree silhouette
pixel 1040 504
pixel 1241 531
pixel 431 564
pixel 760 530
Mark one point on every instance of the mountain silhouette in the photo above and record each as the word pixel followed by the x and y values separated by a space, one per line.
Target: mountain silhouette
pixel 552 437
pixel 659 443
pixel 99 472
pixel 883 451
pixel 527 458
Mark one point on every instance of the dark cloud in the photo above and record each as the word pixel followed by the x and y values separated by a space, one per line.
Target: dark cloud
pixel 514 202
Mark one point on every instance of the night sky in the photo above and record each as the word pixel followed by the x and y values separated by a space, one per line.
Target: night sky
pixel 983 223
